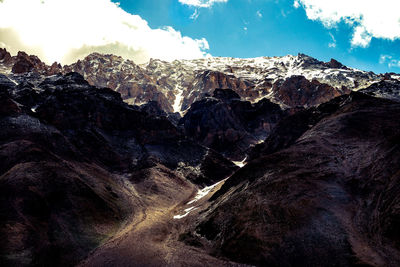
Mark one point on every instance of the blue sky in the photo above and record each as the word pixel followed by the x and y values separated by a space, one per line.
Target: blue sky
pixel 363 34
pixel 240 28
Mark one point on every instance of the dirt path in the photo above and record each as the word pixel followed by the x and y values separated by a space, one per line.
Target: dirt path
pixel 151 238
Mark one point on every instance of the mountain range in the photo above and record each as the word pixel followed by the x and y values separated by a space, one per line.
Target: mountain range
pixel 271 161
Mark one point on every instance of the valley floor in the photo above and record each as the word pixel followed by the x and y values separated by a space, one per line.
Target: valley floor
pixel 152 238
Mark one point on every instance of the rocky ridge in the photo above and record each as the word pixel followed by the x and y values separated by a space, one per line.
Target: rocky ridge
pixel 183 82
pixel 23 63
pixel 176 85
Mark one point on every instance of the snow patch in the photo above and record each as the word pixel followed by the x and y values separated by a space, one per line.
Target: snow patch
pixel 205 191
pixel 13 81
pixel 178 101
pixel 187 211
pixel 240 163
pixel 397 77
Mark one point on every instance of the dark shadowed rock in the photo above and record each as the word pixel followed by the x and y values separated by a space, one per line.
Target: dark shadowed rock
pixel 387 88
pixel 153 108
pixel 334 64
pixel 225 95
pixel 326 196
pixel 71 158
pixel 290 128
pixel 5 56
pixel 229 125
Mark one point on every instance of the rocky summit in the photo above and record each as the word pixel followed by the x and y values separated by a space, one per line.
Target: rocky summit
pixel 271 161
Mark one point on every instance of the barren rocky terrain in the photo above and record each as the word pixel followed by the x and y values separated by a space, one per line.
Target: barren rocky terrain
pixel 285 161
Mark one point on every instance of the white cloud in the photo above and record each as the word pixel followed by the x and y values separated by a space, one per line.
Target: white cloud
pixel 201 3
pixel 361 37
pixel 369 18
pixel 384 58
pixel 66 30
pixel 195 14
pixel 259 14
pixel 389 60
pixel 394 63
pixel 333 43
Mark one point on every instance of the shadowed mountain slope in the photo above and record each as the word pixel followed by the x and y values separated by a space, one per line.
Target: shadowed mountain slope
pixel 230 125
pixel 325 193
pixel 74 167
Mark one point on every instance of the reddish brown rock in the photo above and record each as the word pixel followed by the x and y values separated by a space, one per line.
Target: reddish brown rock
pixel 298 91
pixel 206 82
pixel 23 63
pixel 55 68
pixel 134 85
pixel 5 56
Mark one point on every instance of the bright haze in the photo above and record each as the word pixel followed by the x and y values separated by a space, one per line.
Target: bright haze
pixel 361 34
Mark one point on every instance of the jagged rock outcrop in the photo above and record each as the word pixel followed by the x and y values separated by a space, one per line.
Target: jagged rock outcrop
pixel 229 125
pixel 24 63
pixel 334 64
pixel 5 56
